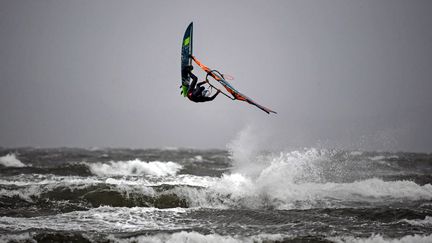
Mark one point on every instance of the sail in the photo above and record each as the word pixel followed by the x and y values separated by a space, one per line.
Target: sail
pixel 186 53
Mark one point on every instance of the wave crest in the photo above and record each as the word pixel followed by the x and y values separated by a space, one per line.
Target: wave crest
pixel 381 239
pixel 419 222
pixel 134 168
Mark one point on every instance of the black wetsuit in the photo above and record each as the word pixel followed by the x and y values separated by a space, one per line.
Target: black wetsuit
pixel 195 94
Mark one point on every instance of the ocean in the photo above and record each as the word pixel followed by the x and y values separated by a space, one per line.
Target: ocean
pixel 232 195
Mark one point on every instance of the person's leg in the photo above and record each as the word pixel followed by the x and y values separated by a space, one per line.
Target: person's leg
pixel 194 81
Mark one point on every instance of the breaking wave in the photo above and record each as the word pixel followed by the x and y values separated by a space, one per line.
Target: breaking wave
pixel 291 180
pixel 184 236
pixel 84 193
pixel 130 219
pixel 382 239
pixel 311 178
pixel 420 222
pixel 192 236
pixel 134 167
pixel 178 237
pixel 10 160
pixel 234 190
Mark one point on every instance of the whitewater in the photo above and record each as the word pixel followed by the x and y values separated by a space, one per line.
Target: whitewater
pixel 241 194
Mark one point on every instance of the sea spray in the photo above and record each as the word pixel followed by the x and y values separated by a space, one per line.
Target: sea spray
pixel 10 160
pixel 246 153
pixel 264 179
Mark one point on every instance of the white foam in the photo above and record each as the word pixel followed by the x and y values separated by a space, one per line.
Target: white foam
pixel 183 179
pixel 31 187
pixel 29 180
pixel 198 158
pixel 356 153
pixel 235 190
pixel 28 190
pixel 134 168
pixel 196 237
pixel 10 160
pixel 171 148
pixel 22 237
pixel 381 239
pixel 102 219
pixel 180 180
pixel 180 237
pixel 419 222
pixel 377 158
pixel 24 194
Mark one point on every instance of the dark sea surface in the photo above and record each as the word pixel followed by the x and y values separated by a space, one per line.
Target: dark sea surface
pixel 240 195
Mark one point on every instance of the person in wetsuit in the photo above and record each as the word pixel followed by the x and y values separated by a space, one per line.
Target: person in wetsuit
pixel 196 92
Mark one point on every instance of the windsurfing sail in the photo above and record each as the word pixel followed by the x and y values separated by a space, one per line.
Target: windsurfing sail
pixel 186 54
pixel 236 95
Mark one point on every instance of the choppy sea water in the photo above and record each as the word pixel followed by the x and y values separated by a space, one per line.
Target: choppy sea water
pixel 236 195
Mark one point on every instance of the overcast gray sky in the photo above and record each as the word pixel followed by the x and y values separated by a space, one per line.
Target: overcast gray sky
pixel 349 74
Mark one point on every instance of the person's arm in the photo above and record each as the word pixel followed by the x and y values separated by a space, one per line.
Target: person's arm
pixel 201 83
pixel 212 97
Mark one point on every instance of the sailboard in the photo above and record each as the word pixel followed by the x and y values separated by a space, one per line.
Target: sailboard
pixel 186 57
pixel 186 60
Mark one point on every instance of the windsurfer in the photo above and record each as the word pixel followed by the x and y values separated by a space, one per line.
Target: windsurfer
pixel 196 92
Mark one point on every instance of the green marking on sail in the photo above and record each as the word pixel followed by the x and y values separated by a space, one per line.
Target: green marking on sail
pixel 186 41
